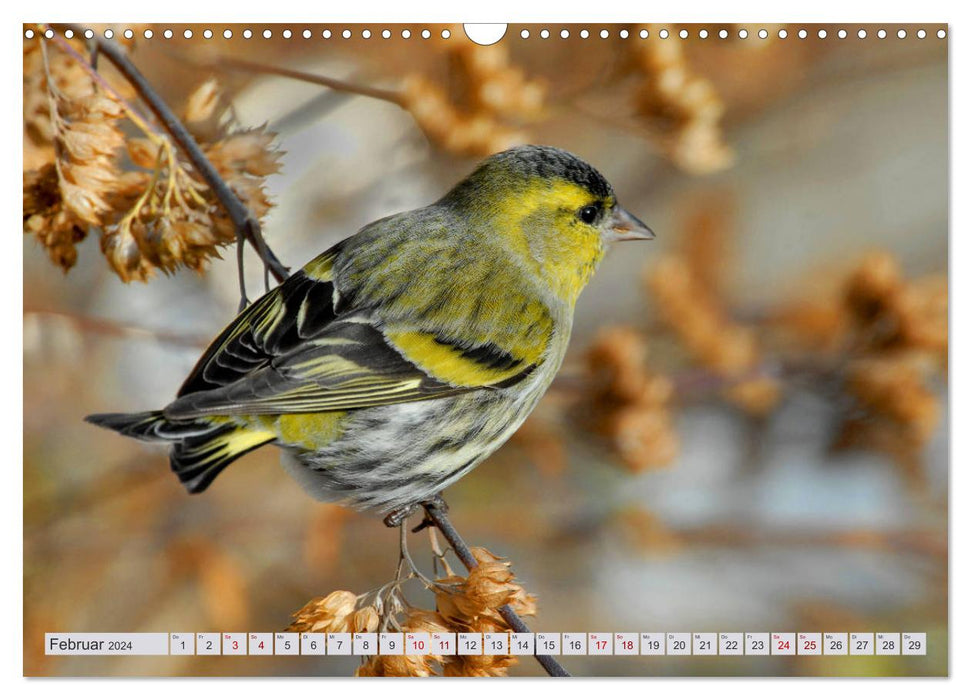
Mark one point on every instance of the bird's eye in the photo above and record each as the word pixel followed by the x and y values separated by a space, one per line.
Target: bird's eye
pixel 589 214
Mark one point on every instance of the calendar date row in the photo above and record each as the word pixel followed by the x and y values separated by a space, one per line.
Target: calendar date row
pixel 497 643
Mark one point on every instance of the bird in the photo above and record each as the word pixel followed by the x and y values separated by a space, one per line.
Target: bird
pixel 395 362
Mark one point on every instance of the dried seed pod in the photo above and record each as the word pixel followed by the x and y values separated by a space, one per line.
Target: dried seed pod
pixel 332 613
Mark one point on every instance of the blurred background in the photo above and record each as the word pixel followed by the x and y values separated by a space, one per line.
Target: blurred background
pixel 749 433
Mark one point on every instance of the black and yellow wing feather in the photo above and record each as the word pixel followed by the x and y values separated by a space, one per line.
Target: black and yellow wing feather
pixel 298 350
pixel 274 324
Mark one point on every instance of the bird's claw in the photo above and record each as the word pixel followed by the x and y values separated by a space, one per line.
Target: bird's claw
pixel 399 515
pixel 436 502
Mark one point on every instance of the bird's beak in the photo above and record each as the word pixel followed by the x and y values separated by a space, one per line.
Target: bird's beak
pixel 624 226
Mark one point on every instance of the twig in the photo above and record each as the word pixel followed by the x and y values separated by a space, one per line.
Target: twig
pixel 247 226
pixel 332 83
pixel 436 513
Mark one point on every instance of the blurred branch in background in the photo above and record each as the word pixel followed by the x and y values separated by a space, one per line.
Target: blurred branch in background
pixel 497 95
pixel 88 324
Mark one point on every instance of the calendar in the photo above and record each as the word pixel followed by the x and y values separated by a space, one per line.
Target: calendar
pixel 356 344
pixel 491 643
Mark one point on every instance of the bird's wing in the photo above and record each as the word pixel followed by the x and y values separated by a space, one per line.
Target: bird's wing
pixel 274 324
pixel 292 352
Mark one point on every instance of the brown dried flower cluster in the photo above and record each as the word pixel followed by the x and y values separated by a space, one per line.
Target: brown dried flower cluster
pixel 175 221
pixel 67 77
pixel 71 138
pixel 153 212
pixel 683 106
pixel 337 612
pixel 409 665
pixel 496 99
pixel 463 604
pixel 897 340
pixel 631 404
pixel 700 322
pixel 471 604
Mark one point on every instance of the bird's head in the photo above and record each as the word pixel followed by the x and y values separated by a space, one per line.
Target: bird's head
pixel 550 208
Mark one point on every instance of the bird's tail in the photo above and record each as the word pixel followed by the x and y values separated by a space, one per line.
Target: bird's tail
pixel 201 448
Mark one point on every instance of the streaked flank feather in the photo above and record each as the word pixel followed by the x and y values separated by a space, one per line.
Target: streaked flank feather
pixel 396 361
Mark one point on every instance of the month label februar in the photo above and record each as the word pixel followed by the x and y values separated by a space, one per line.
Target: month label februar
pixel 105 644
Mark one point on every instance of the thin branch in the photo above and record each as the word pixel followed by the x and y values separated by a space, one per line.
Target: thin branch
pixel 436 512
pixel 332 83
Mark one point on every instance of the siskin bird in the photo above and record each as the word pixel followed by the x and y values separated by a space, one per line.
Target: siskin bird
pixel 395 362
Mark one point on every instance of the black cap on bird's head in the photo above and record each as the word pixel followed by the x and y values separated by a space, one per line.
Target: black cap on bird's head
pixel 522 165
pixel 547 162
